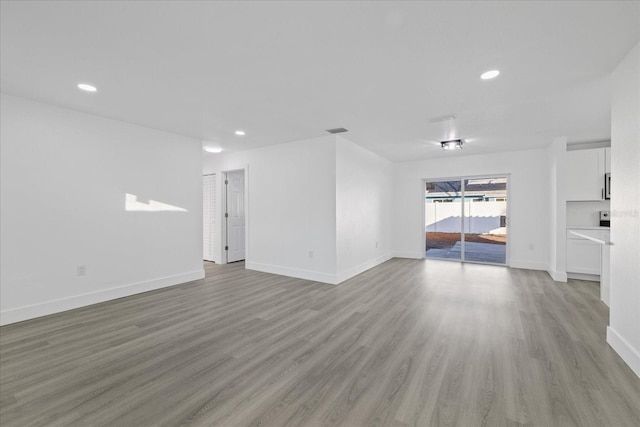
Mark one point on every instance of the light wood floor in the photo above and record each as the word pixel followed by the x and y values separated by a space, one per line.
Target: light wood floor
pixel 426 343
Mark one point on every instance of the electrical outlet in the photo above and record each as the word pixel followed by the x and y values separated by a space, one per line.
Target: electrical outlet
pixel 531 246
pixel 376 244
pixel 310 254
pixel 81 270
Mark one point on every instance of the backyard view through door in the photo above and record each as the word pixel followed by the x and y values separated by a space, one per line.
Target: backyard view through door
pixel 466 219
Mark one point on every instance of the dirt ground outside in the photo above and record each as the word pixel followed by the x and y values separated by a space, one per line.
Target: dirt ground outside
pixel 436 240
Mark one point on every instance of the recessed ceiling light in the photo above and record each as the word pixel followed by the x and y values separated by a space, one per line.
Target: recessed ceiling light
pixel 240 133
pixel 213 149
pixel 87 87
pixel 489 74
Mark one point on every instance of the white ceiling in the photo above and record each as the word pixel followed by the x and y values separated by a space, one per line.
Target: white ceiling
pixel 284 71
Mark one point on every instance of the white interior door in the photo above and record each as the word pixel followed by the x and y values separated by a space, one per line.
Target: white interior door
pixel 208 217
pixel 235 216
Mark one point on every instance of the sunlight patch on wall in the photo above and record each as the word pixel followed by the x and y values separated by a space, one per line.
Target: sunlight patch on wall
pixel 132 204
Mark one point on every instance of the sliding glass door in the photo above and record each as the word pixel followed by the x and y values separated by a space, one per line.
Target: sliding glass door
pixel 466 219
pixel 443 213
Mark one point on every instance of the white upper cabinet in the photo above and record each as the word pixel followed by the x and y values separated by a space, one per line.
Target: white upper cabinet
pixel 585 174
pixel 607 160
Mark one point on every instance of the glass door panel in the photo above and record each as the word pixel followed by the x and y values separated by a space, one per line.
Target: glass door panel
pixel 485 225
pixel 443 219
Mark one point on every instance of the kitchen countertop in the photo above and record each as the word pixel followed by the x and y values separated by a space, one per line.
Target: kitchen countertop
pixel 589 236
pixel 587 227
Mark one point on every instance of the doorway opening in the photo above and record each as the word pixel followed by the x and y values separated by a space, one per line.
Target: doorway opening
pixel 466 219
pixel 234 216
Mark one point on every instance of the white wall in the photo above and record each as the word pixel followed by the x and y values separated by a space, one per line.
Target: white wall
pixel 64 176
pixel 623 333
pixel 315 208
pixel 364 183
pixel 528 200
pixel 557 212
pixel 291 208
pixel 209 218
pixel 586 213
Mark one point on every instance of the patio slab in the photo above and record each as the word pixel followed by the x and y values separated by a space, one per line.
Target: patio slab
pixel 478 252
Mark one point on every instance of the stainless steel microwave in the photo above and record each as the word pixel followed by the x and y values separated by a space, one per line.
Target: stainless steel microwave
pixel 607 185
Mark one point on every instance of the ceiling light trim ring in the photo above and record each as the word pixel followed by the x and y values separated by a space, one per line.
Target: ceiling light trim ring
pixel 87 87
pixel 491 74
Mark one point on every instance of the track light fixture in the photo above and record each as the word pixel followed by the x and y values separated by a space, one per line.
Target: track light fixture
pixel 452 144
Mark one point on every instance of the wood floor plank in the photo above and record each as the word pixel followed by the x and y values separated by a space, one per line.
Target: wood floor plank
pixel 407 343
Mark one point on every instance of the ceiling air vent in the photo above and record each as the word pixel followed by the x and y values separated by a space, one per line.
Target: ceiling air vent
pixel 337 130
pixel 442 118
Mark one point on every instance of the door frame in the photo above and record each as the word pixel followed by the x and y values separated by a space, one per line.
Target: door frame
pixel 424 181
pixel 223 208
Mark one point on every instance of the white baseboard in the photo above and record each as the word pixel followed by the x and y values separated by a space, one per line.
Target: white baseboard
pixel 557 276
pixel 408 254
pixel 20 314
pixel 528 265
pixel 354 271
pixel 630 355
pixel 580 276
pixel 315 276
